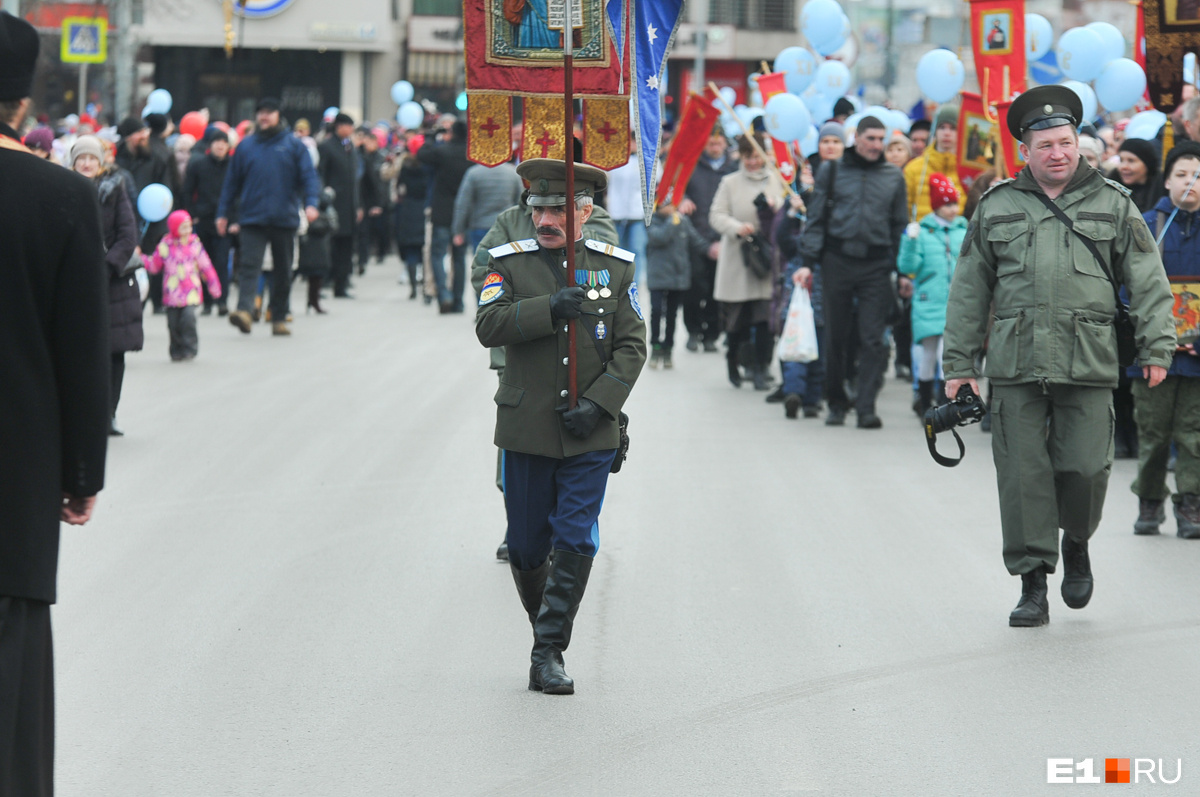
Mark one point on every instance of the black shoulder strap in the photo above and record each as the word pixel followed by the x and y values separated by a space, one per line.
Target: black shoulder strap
pixel 1088 242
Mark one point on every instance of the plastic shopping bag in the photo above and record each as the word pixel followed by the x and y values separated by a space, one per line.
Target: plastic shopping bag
pixel 798 343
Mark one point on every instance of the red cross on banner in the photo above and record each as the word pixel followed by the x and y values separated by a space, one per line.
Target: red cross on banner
pixel 545 132
pixel 606 132
pixel 489 120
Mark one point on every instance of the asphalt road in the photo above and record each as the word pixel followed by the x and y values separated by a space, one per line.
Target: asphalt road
pixel 289 589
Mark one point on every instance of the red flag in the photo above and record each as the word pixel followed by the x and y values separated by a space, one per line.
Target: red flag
pixel 1008 145
pixel 695 126
pixel 769 86
pixel 998 35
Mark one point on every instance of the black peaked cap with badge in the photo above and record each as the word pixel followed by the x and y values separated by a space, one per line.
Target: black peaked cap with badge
pixel 1044 107
pixel 547 178
pixel 18 57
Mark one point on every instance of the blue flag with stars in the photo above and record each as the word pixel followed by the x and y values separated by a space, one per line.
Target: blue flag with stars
pixel 654 25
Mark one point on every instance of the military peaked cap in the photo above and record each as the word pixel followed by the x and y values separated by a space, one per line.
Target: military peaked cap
pixel 1044 107
pixel 547 180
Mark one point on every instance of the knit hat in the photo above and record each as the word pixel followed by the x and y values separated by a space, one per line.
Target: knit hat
pixel 832 129
pixel 40 138
pixel 177 218
pixel 1144 151
pixel 157 122
pixel 946 115
pixel 941 191
pixel 87 145
pixel 18 57
pixel 1184 149
pixel 843 107
pixel 129 126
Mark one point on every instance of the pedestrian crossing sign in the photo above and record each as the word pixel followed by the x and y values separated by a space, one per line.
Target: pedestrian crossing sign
pixel 84 40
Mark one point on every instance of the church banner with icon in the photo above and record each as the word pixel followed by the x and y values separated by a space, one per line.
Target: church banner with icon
pixel 1186 293
pixel 998 39
pixel 514 49
pixel 1172 28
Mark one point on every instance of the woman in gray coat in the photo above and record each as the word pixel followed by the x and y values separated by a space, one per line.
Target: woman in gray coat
pixel 745 297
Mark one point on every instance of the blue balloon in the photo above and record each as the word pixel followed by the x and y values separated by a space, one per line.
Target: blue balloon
pixel 799 68
pixel 1081 54
pixel 940 75
pixel 808 144
pixel 1086 96
pixel 330 113
pixel 786 118
pixel 155 202
pixel 835 42
pixel 1039 36
pixel 833 79
pixel 1114 42
pixel 159 101
pixel 819 105
pixel 1120 85
pixel 402 92
pixel 411 115
pixel 1145 125
pixel 898 120
pixel 1189 69
pixel 821 20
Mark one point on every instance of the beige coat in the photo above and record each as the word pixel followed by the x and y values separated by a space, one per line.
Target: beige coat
pixel 732 207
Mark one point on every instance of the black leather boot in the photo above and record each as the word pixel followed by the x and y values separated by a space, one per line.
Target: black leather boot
pixel 1033 609
pixel 552 629
pixel 530 585
pixel 1077 572
pixel 502 551
pixel 1187 516
pixel 1151 515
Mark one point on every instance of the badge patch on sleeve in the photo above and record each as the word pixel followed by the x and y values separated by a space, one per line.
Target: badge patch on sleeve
pixel 633 301
pixel 493 289
pixel 1141 234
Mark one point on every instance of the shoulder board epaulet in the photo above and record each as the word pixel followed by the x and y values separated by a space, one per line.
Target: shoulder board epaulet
pixel 610 250
pixel 1119 187
pixel 513 247
pixel 996 185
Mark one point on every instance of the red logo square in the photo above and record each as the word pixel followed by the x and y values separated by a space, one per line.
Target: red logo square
pixel 1116 770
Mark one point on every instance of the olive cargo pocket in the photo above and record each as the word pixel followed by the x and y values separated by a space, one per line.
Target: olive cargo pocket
pixel 1004 348
pixel 1009 240
pixel 1095 355
pixel 509 395
pixel 1101 231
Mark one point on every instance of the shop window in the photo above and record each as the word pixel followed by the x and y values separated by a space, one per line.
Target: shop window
pixel 754 14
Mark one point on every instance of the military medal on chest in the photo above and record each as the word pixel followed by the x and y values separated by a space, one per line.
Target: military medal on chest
pixel 604 277
pixel 601 330
pixel 587 279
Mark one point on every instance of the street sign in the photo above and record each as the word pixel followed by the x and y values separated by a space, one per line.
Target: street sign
pixel 84 40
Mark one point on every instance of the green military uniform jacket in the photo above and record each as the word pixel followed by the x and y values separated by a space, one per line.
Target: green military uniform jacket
pixel 514 312
pixel 516 224
pixel 1054 306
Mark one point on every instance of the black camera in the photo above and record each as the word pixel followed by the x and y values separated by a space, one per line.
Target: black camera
pixel 967 408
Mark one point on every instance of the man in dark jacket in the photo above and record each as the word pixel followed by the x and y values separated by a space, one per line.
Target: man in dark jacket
pixel 54 409
pixel 339 167
pixel 856 242
pixel 700 309
pixel 148 165
pixel 202 186
pixel 269 172
pixel 373 190
pixel 448 160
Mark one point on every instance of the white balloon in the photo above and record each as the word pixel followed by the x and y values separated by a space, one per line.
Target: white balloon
pixel 833 79
pixel 1086 96
pixel 1114 42
pixel 1081 54
pixel 729 94
pixel 411 115
pixel 1039 37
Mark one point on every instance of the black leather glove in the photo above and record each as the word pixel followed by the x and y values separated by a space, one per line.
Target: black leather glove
pixel 567 304
pixel 582 420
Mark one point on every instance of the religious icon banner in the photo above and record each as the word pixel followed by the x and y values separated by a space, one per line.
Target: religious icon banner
pixel 606 132
pixel 489 129
pixel 545 132
pixel 1009 146
pixel 998 37
pixel 516 46
pixel 1172 28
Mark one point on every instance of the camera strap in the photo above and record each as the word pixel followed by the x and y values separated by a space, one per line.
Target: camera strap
pixel 931 441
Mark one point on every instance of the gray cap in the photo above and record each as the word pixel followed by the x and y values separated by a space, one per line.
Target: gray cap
pixel 547 178
pixel 832 129
pixel 87 145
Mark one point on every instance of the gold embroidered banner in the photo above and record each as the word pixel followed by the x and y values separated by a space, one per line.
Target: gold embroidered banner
pixel 545 129
pixel 489 129
pixel 1172 29
pixel 606 132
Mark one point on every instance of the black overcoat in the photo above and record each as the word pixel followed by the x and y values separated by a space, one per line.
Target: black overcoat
pixel 120 232
pixel 54 357
pixel 339 170
pixel 412 188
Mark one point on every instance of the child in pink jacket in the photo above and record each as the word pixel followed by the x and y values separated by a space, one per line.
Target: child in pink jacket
pixel 183 261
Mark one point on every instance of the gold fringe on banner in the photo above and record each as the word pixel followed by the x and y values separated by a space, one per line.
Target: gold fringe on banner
pixel 489 128
pixel 545 132
pixel 606 132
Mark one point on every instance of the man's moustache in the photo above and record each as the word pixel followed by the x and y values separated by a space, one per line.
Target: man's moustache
pixel 549 231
